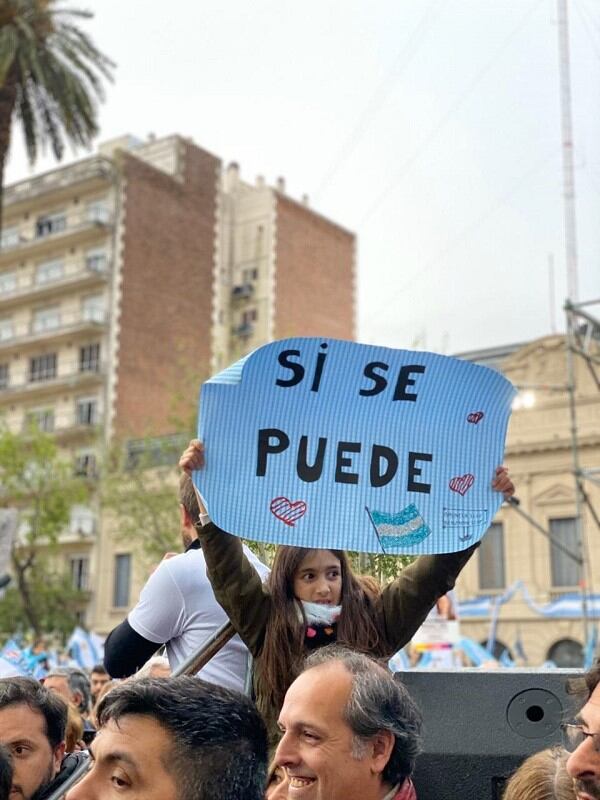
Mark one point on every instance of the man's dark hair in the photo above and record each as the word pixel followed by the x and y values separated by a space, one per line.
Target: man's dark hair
pixel 6 772
pixel 100 669
pixel 27 691
pixel 219 749
pixel 188 499
pixel 78 681
pixel 377 703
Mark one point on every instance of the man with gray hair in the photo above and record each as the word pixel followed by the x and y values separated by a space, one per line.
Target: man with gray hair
pixel 349 730
pixel 71 684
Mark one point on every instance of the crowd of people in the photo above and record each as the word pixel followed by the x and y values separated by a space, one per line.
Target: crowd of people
pixel 298 703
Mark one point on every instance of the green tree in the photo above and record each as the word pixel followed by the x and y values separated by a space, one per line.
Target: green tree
pixel 50 77
pixel 139 486
pixel 38 481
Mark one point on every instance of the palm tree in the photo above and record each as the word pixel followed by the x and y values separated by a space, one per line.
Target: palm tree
pixel 50 77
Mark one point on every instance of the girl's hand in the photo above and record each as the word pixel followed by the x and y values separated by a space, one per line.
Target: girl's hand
pixel 502 483
pixel 193 457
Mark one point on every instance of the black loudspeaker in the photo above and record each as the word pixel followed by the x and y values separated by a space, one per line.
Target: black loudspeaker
pixel 479 725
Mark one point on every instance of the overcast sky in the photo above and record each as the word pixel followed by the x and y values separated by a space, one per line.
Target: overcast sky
pixel 431 128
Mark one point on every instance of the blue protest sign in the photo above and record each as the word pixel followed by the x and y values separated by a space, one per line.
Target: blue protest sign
pixel 325 443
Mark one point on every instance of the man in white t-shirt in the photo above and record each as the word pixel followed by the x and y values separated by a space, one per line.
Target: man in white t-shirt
pixel 177 607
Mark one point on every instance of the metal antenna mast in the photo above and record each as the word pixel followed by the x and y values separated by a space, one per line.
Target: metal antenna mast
pixel 567 152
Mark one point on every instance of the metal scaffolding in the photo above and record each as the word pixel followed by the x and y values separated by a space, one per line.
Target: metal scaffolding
pixel 583 334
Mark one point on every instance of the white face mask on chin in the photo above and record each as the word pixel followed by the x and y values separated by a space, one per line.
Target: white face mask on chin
pixel 320 614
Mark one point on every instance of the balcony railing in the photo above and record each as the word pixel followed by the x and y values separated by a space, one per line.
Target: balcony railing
pixel 55 228
pixel 243 331
pixel 89 169
pixel 86 274
pixel 67 376
pixel 61 325
pixel 63 424
pixel 242 292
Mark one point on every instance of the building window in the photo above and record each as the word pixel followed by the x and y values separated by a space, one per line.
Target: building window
pixel 96 260
pixel 48 224
pixel 42 368
pixel 249 275
pixel 4 376
pixel 87 411
pixel 122 580
pixel 89 358
pixel 491 558
pixel 80 570
pixel 93 308
pixel 249 316
pixel 565 570
pixel 85 465
pixel 83 521
pixel 7 330
pixel 46 319
pixel 97 211
pixel 42 419
pixel 10 237
pixel 566 653
pixel 8 282
pixel 49 271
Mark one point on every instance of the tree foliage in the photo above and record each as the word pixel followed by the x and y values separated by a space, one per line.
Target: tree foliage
pixel 139 481
pixel 39 483
pixel 50 77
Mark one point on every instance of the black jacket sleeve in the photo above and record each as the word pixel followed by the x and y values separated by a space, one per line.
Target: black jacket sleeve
pixel 125 651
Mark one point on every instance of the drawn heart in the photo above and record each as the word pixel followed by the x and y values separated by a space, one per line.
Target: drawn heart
pixel 462 483
pixel 475 417
pixel 286 511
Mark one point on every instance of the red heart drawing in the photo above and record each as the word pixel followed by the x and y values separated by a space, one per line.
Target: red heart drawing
pixel 286 511
pixel 462 483
pixel 475 417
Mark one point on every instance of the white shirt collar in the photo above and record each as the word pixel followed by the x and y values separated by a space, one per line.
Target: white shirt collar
pixel 393 793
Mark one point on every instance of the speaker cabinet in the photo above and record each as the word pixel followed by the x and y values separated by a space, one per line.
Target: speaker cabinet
pixel 479 725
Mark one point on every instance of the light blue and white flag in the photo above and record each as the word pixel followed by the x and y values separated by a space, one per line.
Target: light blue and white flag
pixel 10 670
pixel 86 648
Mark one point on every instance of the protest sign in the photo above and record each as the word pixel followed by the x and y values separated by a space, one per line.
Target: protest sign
pixel 326 443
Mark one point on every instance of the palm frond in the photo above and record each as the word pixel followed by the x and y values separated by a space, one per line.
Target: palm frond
pixel 8 51
pixel 59 72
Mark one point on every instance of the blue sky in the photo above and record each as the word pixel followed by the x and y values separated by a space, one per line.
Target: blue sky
pixel 429 127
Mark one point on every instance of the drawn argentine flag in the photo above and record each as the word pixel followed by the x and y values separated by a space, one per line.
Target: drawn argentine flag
pixel 397 531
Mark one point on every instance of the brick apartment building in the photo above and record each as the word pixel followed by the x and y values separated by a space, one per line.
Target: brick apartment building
pixel 123 274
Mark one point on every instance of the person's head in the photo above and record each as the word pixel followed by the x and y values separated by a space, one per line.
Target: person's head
pixel 300 574
pixel 176 739
pixel 98 678
pixel 6 772
pixel 72 684
pixel 349 730
pixel 104 690
pixel 74 730
pixel 188 509
pixel 583 764
pixel 32 727
pixel 543 776
pixel 277 783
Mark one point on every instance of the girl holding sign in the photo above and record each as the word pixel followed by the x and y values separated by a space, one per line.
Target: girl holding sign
pixel 313 598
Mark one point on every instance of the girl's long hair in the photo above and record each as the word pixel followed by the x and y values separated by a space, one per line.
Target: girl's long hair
pixel 543 776
pixel 283 649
